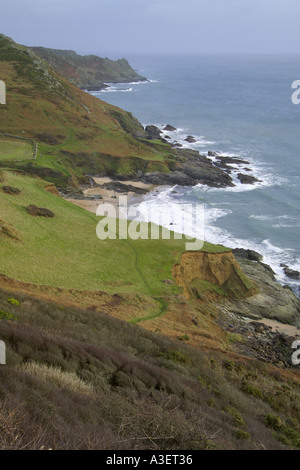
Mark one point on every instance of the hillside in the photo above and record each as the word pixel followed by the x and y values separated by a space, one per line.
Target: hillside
pixel 122 343
pixel 88 375
pixel 80 379
pixel 75 132
pixel 88 71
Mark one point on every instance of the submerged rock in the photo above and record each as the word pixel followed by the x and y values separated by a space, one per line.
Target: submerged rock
pixel 231 160
pixel 170 128
pixel 190 139
pixel 247 179
pixel 291 273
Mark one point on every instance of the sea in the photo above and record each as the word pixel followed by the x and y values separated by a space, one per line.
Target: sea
pixel 239 106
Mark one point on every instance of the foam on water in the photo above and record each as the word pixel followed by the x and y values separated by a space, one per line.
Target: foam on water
pixel 112 89
pixel 121 87
pixel 181 134
pixel 168 209
pixel 260 127
pixel 257 168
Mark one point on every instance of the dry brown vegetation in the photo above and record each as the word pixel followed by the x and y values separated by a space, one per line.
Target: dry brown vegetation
pixel 80 379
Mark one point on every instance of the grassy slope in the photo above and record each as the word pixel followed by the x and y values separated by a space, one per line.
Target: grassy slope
pixel 64 251
pixel 13 149
pixel 77 132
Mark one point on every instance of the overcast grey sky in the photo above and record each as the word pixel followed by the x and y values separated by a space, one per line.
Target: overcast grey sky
pixel 111 27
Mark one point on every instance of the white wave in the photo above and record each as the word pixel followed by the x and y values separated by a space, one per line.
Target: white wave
pixel 286 225
pixel 272 217
pixel 163 208
pixel 257 168
pixel 179 136
pixel 112 89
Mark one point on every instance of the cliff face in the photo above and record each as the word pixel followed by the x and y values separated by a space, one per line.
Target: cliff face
pixel 246 289
pixel 88 71
pixel 209 276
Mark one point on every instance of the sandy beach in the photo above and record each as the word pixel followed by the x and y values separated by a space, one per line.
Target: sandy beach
pixel 109 196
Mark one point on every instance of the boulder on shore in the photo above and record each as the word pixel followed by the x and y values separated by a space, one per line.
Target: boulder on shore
pixel 153 132
pixel 247 254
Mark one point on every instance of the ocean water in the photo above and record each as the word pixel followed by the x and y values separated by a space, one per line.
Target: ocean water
pixel 239 106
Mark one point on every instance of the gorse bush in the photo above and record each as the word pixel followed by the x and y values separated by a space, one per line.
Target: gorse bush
pixel 6 316
pixel 13 302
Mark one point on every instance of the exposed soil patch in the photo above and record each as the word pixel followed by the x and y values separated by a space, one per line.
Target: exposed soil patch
pixel 39 211
pixel 7 230
pixel 10 190
pixel 51 188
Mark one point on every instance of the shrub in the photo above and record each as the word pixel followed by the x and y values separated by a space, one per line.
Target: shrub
pixel 255 392
pixel 234 338
pixel 184 338
pixel 289 436
pixel 274 422
pixel 239 434
pixel 285 433
pixel 6 316
pixel 13 302
pixel 176 356
pixel 238 419
pixel 229 365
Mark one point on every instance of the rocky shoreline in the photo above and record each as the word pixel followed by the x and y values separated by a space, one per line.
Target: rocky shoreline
pixel 191 168
pixel 274 302
pixel 266 324
pixel 185 167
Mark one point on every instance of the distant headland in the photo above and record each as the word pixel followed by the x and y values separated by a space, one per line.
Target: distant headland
pixel 88 72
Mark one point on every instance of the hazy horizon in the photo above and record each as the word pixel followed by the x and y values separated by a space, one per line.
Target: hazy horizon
pixel 135 27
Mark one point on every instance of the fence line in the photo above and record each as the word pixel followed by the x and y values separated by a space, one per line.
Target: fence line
pixel 34 143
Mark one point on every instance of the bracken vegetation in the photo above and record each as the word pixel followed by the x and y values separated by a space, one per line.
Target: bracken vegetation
pixel 78 379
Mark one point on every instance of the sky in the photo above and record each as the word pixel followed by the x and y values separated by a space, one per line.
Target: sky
pixel 114 27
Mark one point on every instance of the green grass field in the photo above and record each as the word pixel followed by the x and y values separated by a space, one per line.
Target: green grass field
pixel 65 251
pixel 11 149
